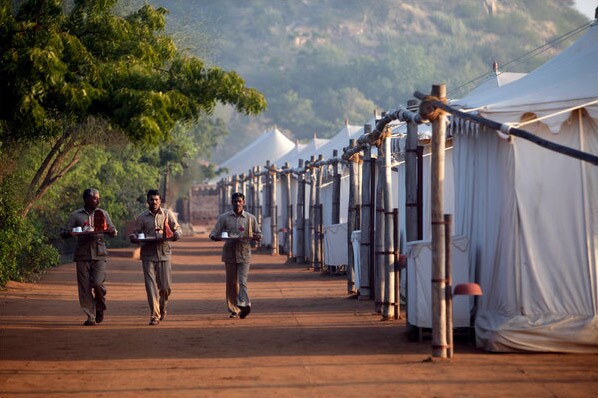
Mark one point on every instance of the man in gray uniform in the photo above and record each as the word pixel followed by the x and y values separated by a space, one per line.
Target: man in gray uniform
pixel 89 224
pixel 158 226
pixel 240 227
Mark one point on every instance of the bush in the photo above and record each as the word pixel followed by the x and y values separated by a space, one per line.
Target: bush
pixel 24 249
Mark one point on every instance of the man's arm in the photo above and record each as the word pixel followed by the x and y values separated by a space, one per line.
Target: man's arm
pixel 177 231
pixel 111 231
pixel 217 231
pixel 66 231
pixel 257 232
pixel 136 231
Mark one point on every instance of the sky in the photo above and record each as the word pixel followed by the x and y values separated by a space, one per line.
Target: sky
pixel 586 7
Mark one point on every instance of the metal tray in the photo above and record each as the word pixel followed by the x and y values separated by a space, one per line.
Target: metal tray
pixel 149 239
pixel 88 233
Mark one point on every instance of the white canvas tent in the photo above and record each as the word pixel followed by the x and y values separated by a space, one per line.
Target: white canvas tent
pixel 304 152
pixel 531 214
pixel 271 145
pixel 494 81
pixel 338 142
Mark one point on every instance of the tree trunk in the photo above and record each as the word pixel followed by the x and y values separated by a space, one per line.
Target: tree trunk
pixel 52 169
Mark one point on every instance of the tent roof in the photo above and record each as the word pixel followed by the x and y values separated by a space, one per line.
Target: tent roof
pixel 495 80
pixel 567 81
pixel 269 146
pixel 305 152
pixel 340 140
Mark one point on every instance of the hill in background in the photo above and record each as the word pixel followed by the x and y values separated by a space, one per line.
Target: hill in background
pixel 319 62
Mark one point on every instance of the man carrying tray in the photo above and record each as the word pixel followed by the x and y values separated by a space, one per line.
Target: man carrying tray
pixel 89 224
pixel 237 227
pixel 154 229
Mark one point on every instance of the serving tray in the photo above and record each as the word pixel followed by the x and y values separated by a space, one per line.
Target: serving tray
pixel 88 233
pixel 233 238
pixel 150 239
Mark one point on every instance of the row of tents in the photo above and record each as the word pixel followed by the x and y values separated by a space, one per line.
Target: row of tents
pixel 525 218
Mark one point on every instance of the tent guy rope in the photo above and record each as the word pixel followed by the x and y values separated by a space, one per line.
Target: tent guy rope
pixel 506 129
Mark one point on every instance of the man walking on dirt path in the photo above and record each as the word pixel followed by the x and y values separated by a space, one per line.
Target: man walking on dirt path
pixel 237 228
pixel 89 224
pixel 154 229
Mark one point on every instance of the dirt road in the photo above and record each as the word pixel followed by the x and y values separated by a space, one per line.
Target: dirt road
pixel 304 338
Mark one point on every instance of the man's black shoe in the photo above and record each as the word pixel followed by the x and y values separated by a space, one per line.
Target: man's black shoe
pixel 244 312
pixel 99 316
pixel 89 322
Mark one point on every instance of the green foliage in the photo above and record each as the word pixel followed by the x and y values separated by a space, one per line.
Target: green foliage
pixel 121 174
pixel 60 66
pixel 24 250
pixel 448 25
pixel 382 50
pixel 91 98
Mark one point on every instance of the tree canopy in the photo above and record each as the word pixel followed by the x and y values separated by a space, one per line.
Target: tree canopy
pixel 63 71
pixel 94 98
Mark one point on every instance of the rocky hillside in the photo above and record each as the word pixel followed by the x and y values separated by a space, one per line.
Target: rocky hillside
pixel 321 61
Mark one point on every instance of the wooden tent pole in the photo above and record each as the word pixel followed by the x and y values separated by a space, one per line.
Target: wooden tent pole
pixel 411 179
pixel 389 258
pixel 243 184
pixel 221 196
pixel 317 253
pixel 236 183
pixel 273 209
pixel 250 197
pixel 267 191
pixel 336 191
pixel 366 221
pixel 381 302
pixel 439 346
pixel 448 220
pixel 396 243
pixel 228 193
pixel 248 191
pixel 258 195
pixel 352 224
pixel 312 221
pixel 300 221
pixel 288 242
pixel 372 229
pixel 420 192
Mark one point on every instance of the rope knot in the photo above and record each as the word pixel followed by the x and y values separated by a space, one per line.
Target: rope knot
pixel 427 109
pixel 356 157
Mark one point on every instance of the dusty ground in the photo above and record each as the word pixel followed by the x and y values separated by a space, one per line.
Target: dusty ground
pixel 304 338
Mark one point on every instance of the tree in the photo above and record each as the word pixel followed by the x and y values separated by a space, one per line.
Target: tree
pixel 64 71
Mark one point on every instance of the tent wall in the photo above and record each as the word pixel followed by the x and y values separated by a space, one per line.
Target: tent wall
pixel 532 219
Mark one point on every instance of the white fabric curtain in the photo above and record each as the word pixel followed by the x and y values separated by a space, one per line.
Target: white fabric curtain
pixel 531 216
